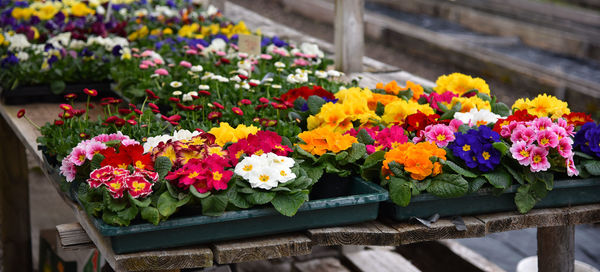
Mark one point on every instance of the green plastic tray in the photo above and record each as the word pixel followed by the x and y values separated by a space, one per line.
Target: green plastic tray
pixel 564 193
pixel 359 201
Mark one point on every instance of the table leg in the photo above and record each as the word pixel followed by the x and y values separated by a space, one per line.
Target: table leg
pixel 15 227
pixel 556 248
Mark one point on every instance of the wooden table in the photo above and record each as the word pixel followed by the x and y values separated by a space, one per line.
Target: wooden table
pixel 555 226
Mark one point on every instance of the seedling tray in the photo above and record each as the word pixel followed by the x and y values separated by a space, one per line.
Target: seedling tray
pixel 354 201
pixel 564 193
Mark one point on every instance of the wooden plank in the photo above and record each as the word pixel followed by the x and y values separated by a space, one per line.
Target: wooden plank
pixel 380 260
pixel 556 248
pixel 584 214
pixel 442 229
pixel 349 37
pixel 320 265
pixel 471 256
pixel 261 248
pixel 15 227
pixel 367 233
pixel 72 234
pixel 506 221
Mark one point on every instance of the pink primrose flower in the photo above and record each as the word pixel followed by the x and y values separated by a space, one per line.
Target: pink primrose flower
pixel 539 159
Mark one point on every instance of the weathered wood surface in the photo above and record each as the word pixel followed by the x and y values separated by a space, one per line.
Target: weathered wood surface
pixel 320 265
pixel 349 38
pixel 514 220
pixel 15 227
pixel 72 234
pixel 270 28
pixel 556 248
pixel 409 232
pixel 471 256
pixel 368 233
pixel 262 248
pixel 380 260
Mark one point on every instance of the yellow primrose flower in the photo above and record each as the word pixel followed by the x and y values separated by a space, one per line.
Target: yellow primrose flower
pixel 468 103
pixel 22 13
pixel 352 105
pixel 188 30
pixel 2 39
pixel 138 34
pixel 80 10
pixel 459 83
pixel 397 111
pixel 225 133
pixel 46 11
pixel 167 31
pixel 543 106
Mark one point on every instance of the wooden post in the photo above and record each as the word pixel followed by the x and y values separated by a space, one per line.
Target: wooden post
pixel 349 35
pixel 556 246
pixel 15 228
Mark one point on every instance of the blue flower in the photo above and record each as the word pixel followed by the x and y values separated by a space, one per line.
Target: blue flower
pixel 475 148
pixel 583 137
pixel 9 60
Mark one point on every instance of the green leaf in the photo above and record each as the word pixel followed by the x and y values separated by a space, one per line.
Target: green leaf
pixel 128 214
pixel 341 156
pixel 113 204
pixel 524 199
pixel 583 155
pixel 501 109
pixel 140 203
pixel 314 173
pixel 112 218
pixel 94 208
pixel 448 185
pixel 151 215
pixel 592 166
pixel 305 153
pixel 171 190
pixel 57 86
pixel 500 146
pixel 166 204
pixel 162 165
pixel 406 95
pixel 514 173
pixel 442 107
pixel 364 137
pixel 96 161
pixel 260 197
pixel 357 151
pixel 448 115
pixel 215 204
pixel 421 185
pixel 375 159
pixel 380 109
pixel 314 104
pixel 499 178
pixel 484 96
pixel 476 184
pixel 289 203
pixel 184 200
pixel 546 178
pixel 237 199
pixel 299 102
pixel 197 194
pixel 469 92
pixel 459 170
pixel 396 168
pixel 400 191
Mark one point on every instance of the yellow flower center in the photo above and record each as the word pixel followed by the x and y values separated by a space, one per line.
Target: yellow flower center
pixel 122 166
pixel 217 175
pixel 537 158
pixel 115 185
pixel 82 157
pixel 486 155
pixel 466 147
pixel 264 178
pixel 544 141
pixel 259 152
pixel 239 154
pixel 283 173
pixel 247 167
pixel 481 122
pixel 138 186
pixel 193 174
pixel 441 137
pixel 140 164
pixel 524 153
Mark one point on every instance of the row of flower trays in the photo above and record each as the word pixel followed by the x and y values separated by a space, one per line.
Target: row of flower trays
pixel 219 143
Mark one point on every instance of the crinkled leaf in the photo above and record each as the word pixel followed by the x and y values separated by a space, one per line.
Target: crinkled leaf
pixel 448 185
pixel 484 96
pixel 162 165
pixel 94 208
pixel 96 161
pixel 300 151
pixel 400 191
pixel 215 204
pixel 166 204
pixel 499 178
pixel 396 168
pixel 314 104
pixel 592 166
pixel 500 146
pixel 583 155
pixel 514 174
pixel 375 159
pixel 197 194
pixel 524 199
pixel 341 156
pixel 364 137
pixel 112 218
pixel 459 170
pixel 260 197
pixel 421 185
pixel 151 215
pixel 140 202
pixel 357 151
pixel 299 102
pixel 448 115
pixel 380 109
pixel 501 109
pixel 546 178
pixel 113 204
pixel 183 199
pixel 289 203
pixel 237 199
pixel 128 214
pixel 476 184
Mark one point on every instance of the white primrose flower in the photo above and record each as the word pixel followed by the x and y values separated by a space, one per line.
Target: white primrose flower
pixel 217 44
pixel 284 174
pixel 242 72
pixel 212 10
pixel 280 161
pixel 244 65
pixel 203 87
pixel 179 135
pixel 279 64
pixel 245 85
pixel 291 78
pixel 254 81
pixel 236 86
pixel 321 74
pixel 248 166
pixel 76 44
pixel 266 171
pixel 22 56
pixel 235 79
pixel 276 86
pixel 311 49
pixel 187 97
pixel 175 84
pixel 177 93
pixel 196 68
pixel 477 117
pixel 334 73
pixel 17 42
pixel 207 75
